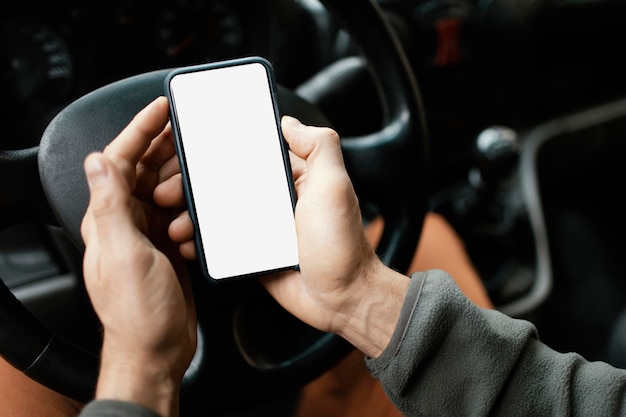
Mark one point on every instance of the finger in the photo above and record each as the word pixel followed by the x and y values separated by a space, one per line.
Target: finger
pixel 131 144
pixel 170 193
pixel 282 284
pixel 108 214
pixel 149 178
pixel 181 231
pixel 169 168
pixel 160 150
pixel 181 228
pixel 188 250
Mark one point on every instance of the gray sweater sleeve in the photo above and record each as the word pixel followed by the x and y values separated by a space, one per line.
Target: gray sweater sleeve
pixel 113 408
pixel 448 357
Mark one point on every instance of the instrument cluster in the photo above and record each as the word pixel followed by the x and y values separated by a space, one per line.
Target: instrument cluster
pixel 53 52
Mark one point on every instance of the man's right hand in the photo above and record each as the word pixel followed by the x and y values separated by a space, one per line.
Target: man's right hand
pixel 342 286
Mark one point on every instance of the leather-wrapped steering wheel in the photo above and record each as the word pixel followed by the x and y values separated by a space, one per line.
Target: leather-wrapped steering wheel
pixel 248 344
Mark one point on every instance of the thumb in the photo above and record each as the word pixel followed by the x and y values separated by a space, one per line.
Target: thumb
pixel 316 145
pixel 109 213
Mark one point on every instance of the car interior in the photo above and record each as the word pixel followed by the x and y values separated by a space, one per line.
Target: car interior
pixel 505 117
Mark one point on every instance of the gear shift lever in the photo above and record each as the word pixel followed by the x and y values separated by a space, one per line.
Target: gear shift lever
pixel 497 149
pixel 489 213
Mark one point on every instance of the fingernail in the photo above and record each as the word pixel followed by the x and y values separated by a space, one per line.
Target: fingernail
pixel 95 169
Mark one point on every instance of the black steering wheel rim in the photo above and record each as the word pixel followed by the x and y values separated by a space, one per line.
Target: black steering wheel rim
pixel 397 185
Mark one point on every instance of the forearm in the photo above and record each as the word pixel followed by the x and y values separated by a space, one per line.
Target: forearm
pixel 138 379
pixel 448 357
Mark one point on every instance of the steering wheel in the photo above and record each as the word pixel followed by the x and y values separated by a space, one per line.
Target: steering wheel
pixel 247 344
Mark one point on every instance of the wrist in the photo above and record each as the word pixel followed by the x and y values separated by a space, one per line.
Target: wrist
pixel 370 322
pixel 143 379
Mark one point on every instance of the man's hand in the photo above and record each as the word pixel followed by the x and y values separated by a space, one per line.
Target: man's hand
pixel 133 272
pixel 342 286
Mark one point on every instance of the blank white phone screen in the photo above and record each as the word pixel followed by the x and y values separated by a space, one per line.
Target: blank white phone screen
pixel 232 149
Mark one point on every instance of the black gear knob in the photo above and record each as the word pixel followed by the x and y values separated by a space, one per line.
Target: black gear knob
pixel 497 151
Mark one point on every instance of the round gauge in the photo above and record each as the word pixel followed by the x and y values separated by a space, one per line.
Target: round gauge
pixel 36 67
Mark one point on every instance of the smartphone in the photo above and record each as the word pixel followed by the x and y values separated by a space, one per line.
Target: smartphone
pixel 235 167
